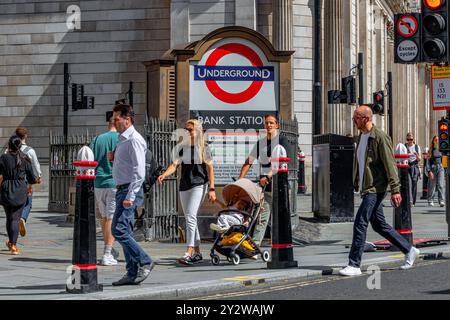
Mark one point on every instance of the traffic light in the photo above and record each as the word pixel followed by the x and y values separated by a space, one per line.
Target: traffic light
pixel 444 136
pixel 435 42
pixel 407 38
pixel 77 96
pixel 378 103
pixel 349 87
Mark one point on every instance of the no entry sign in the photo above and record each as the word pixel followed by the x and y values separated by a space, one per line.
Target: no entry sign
pixel 407 26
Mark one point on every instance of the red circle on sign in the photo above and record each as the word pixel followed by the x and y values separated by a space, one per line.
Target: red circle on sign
pixel 219 93
pixel 413 31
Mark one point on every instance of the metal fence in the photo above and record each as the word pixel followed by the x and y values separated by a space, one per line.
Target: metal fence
pixel 289 129
pixel 62 172
pixel 160 215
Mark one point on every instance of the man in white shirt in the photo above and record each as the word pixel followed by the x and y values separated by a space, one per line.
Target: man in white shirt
pixel 129 174
pixel 22 133
pixel 414 153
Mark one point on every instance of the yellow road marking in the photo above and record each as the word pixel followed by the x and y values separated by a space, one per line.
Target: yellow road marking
pixel 243 278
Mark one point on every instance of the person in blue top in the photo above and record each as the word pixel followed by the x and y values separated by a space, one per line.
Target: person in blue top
pixel 105 188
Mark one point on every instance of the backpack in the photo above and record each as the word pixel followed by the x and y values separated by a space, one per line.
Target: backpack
pixel 152 170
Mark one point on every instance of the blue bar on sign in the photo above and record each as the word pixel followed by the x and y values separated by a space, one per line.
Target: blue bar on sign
pixel 228 73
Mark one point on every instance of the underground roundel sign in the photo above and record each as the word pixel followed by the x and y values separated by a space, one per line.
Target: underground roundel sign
pixel 234 75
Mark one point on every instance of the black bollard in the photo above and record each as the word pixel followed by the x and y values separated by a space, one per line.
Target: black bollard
pixel 301 174
pixel 84 254
pixel 282 248
pixel 402 214
pixel 424 177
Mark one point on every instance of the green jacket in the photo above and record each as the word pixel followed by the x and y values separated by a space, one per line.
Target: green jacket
pixel 380 168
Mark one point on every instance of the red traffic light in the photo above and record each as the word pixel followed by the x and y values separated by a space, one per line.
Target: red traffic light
pixel 378 98
pixel 434 4
pixel 443 127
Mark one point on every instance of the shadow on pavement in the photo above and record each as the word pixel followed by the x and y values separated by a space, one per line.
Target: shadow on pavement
pixel 439 292
pixel 23 259
pixel 58 220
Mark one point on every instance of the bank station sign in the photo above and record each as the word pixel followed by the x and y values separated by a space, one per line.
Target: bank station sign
pixel 232 87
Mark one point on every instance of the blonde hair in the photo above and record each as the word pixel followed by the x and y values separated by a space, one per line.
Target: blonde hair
pixel 199 141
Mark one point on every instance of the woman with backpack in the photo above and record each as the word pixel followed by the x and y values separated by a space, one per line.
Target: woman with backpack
pixel 435 172
pixel 194 157
pixel 17 172
pixel 415 157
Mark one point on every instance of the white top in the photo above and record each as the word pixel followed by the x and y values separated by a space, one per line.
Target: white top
pixel 129 161
pixel 412 152
pixel 29 151
pixel 361 154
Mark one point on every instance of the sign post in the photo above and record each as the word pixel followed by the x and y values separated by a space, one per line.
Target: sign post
pixel 440 88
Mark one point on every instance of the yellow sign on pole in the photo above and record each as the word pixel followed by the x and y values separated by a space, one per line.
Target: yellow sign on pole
pixel 440 87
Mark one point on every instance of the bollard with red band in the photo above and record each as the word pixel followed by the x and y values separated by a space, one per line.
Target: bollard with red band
pixel 282 248
pixel 402 214
pixel 84 254
pixel 301 173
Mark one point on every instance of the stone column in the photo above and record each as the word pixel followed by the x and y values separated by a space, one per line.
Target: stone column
pixel 283 24
pixel 334 58
pixel 179 22
pixel 245 13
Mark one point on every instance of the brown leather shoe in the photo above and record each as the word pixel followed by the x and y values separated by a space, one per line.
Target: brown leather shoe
pixel 14 250
pixel 8 245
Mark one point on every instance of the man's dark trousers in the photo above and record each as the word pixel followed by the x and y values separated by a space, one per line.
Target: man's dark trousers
pixel 122 229
pixel 371 211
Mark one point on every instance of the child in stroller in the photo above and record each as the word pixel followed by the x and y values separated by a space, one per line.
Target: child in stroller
pixel 232 216
pixel 235 223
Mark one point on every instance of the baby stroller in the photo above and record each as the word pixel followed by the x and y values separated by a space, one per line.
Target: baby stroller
pixel 236 242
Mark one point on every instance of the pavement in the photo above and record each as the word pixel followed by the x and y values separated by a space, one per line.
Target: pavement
pixel 40 271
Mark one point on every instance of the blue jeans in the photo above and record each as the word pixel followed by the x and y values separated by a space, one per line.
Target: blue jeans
pixel 28 205
pixel 122 230
pixel 372 211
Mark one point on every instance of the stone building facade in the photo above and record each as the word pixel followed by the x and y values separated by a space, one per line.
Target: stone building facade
pixel 116 36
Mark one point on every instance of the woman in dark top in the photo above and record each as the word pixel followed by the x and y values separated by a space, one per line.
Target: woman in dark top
pixel 194 157
pixel 436 174
pixel 17 173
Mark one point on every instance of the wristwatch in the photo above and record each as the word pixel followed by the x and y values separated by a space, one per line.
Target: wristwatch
pixel 212 189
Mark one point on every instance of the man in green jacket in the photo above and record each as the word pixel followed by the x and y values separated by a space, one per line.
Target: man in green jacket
pixel 374 169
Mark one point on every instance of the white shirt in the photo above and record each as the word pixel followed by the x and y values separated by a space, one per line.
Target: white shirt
pixel 361 154
pixel 129 161
pixel 412 152
pixel 29 151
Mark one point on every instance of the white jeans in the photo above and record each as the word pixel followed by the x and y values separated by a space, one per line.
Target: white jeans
pixel 191 201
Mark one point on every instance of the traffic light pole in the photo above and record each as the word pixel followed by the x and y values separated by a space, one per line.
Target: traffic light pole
pixel 391 103
pixel 361 77
pixel 66 101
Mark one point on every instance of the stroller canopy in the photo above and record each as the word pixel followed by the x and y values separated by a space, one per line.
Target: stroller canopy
pixel 242 189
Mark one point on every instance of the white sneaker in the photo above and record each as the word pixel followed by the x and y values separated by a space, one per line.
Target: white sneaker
pixel 350 272
pixel 442 204
pixel 410 257
pixel 108 260
pixel 217 228
pixel 431 204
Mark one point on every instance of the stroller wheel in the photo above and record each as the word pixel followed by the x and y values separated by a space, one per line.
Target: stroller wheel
pixel 235 259
pixel 215 260
pixel 265 256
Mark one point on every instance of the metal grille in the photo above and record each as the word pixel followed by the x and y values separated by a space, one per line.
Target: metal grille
pixel 172 94
pixel 289 129
pixel 160 216
pixel 62 172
